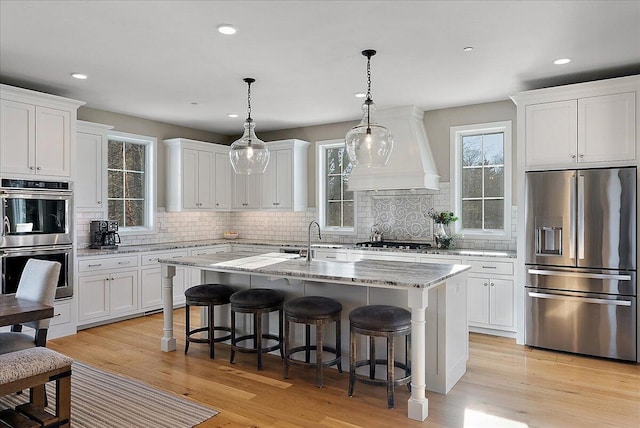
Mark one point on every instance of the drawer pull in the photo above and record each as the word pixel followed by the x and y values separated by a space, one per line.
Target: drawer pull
pixel 125 263
pixel 489 267
pixel 57 315
pixel 96 265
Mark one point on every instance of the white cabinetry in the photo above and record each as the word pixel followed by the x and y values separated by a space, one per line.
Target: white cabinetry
pixel 588 124
pixel 151 280
pixel 246 191
pixel 284 184
pixel 196 274
pixel 331 255
pixel 37 133
pixel 191 174
pixel 491 295
pixel 63 322
pixel 222 190
pixel 90 189
pixel 107 288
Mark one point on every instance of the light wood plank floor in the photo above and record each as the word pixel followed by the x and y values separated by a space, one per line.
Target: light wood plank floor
pixel 506 385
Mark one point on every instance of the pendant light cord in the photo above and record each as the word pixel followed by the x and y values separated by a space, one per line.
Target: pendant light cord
pixel 368 53
pixel 249 82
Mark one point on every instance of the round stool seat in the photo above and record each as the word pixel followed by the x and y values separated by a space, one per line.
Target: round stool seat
pixel 312 307
pixel 380 318
pixel 205 294
pixel 256 298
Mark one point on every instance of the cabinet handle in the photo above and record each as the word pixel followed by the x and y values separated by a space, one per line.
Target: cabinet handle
pixel 217 204
pixel 581 156
pixel 492 284
pixel 573 156
pixel 39 168
pixel 31 168
pixel 99 202
pixel 489 267
pixel 56 315
pixel 126 263
pixel 99 264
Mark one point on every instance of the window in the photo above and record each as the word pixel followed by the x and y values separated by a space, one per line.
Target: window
pixel 131 190
pixel 336 204
pixel 481 179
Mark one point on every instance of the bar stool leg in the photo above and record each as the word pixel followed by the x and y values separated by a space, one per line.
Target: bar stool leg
pixel 372 356
pixel 287 347
pixel 352 361
pixel 307 343
pixel 339 345
pixel 258 337
pixel 211 332
pixel 390 371
pixel 319 354
pixel 280 324
pixel 233 336
pixel 186 345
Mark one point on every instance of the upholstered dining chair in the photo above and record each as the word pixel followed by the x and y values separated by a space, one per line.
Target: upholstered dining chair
pixel 38 283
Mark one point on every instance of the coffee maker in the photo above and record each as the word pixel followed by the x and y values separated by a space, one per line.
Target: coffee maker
pixel 104 234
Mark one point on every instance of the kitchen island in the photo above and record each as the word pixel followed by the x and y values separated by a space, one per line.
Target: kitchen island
pixel 439 335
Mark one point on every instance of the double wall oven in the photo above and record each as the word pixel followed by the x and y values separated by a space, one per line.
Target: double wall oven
pixel 36 223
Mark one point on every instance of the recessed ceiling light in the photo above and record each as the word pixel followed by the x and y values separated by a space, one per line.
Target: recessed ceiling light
pixel 360 95
pixel 468 49
pixel 562 61
pixel 227 29
pixel 194 103
pixel 80 76
pixel 232 115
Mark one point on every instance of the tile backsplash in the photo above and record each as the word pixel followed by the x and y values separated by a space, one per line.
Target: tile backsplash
pixel 400 214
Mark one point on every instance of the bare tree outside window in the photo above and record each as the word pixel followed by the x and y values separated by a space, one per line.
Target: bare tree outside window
pixel 126 162
pixel 339 201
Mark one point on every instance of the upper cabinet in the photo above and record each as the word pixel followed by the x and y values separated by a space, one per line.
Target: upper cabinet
pixel 587 124
pixel 246 191
pixel 284 184
pixel 90 189
pixel 192 178
pixel 37 133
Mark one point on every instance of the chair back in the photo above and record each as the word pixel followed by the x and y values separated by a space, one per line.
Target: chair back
pixel 38 283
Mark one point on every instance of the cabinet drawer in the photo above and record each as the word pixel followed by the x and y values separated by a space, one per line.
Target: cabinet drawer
pixel 490 267
pixel 205 251
pixel 152 259
pixel 61 313
pixel 94 265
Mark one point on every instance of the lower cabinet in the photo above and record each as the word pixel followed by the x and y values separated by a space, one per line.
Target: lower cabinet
pixel 151 287
pixel 107 295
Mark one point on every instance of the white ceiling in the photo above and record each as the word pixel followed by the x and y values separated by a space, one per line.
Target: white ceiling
pixel 153 59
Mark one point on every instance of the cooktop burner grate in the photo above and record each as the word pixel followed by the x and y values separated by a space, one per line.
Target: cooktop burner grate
pixel 395 244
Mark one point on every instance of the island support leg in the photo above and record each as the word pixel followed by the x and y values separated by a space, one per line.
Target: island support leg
pixel 168 341
pixel 418 407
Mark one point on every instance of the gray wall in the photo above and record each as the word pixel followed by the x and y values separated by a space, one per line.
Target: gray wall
pixel 150 128
pixel 436 122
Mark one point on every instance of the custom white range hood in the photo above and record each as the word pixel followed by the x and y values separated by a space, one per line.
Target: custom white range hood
pixel 411 165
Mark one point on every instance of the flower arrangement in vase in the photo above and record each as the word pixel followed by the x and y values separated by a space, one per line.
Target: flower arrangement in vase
pixel 440 220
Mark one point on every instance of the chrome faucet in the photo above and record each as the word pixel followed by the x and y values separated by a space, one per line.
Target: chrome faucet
pixel 309 238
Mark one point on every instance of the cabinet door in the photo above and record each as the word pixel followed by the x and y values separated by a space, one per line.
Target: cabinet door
pixel 501 302
pixel 478 300
pixel 17 137
pixel 222 183
pixel 239 191
pixel 88 190
pixel 551 133
pixel 270 182
pixel 607 128
pixel 254 191
pixel 284 179
pixel 124 292
pixel 93 297
pixel 53 142
pixel 205 180
pixel 190 179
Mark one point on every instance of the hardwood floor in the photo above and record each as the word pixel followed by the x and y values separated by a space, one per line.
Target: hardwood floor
pixel 506 385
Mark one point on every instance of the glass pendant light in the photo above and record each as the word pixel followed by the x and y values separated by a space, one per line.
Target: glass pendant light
pixel 249 154
pixel 368 143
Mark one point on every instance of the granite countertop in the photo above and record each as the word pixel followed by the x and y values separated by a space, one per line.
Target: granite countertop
pixel 168 246
pixel 364 272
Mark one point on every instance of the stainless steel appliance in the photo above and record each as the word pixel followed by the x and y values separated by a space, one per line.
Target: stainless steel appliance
pixel 35 213
pixel 581 243
pixel 36 223
pixel 104 234
pixel 394 245
pixel 14 259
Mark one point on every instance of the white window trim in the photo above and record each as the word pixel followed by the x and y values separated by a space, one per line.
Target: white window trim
pixel 321 191
pixel 150 180
pixel 456 134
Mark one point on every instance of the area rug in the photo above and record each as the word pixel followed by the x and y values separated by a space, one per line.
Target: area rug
pixel 100 399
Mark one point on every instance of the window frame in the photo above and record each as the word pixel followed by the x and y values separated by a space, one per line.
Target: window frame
pixel 150 144
pixel 456 134
pixel 321 157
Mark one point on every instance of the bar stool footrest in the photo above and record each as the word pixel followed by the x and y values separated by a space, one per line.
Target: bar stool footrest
pixel 297 349
pixel 206 340
pixel 255 350
pixel 367 380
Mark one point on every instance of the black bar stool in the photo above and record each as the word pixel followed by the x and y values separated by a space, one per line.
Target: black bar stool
pixel 209 295
pixel 318 311
pixel 256 301
pixel 379 321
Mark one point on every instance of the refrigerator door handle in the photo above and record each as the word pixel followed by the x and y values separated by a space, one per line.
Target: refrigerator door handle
pixel 580 216
pixel 572 218
pixel 580 299
pixel 580 274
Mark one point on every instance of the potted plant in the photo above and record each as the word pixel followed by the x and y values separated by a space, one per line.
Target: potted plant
pixel 440 220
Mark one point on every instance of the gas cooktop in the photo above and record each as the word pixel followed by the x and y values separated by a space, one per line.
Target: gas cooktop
pixel 395 244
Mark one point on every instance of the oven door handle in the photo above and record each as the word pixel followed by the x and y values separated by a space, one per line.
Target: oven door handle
pixel 580 299
pixel 25 251
pixel 579 274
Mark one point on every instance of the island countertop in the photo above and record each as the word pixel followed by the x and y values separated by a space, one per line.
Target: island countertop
pixel 374 273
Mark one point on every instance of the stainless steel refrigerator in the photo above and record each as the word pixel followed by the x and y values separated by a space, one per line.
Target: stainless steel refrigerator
pixel 581 244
